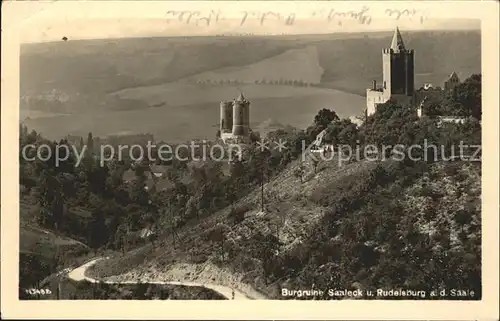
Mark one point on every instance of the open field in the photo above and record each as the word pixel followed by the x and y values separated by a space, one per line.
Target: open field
pixel 185 112
pixel 294 64
pixel 101 66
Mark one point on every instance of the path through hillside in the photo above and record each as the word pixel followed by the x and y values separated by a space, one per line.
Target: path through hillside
pixel 78 274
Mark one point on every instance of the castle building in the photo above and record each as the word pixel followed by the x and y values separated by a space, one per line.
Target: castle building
pixel 398 76
pixel 451 82
pixel 235 119
pixel 428 95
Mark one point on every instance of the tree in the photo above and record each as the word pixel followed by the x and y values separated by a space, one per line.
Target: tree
pixel 463 217
pixel 299 172
pixel 218 235
pixel 90 144
pixel 237 214
pixel 50 199
pixel 321 121
pixel 268 248
pixel 171 222
pixel 138 193
pixel 237 171
pixel 120 239
pixel 276 208
pixel 388 125
pixel 434 109
pixel 466 97
pixel 314 163
pixel 81 144
pixel 98 230
pixel 325 117
pixel 254 136
pixel 230 194
pixel 348 134
pixel 192 207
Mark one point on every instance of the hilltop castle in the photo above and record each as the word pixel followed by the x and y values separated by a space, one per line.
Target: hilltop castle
pixel 235 120
pixel 398 76
pixel 399 80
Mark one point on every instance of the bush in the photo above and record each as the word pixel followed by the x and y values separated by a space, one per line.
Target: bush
pixel 237 214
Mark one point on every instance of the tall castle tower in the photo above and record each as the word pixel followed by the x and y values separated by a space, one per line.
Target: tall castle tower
pixel 226 117
pixel 398 76
pixel 241 115
pixel 235 119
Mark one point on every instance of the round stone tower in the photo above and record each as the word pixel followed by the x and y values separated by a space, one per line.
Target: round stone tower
pixel 226 117
pixel 241 115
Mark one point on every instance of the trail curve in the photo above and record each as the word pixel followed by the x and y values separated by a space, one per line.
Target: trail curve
pixel 78 274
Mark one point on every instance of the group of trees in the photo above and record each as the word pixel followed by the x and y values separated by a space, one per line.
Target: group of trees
pixel 462 100
pixel 287 82
pixel 114 210
pixel 141 291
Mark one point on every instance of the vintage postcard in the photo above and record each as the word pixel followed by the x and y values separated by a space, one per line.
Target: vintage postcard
pixel 307 159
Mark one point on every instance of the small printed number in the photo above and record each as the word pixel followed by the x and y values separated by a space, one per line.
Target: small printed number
pixel 38 291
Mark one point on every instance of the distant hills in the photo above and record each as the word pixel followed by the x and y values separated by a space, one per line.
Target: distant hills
pixel 97 66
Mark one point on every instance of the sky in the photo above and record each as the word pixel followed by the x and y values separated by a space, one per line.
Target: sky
pixel 50 21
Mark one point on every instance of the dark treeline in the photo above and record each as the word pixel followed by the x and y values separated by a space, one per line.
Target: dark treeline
pixel 286 82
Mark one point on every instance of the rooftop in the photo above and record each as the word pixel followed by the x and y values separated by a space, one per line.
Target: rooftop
pixel 453 75
pixel 241 98
pixel 397 43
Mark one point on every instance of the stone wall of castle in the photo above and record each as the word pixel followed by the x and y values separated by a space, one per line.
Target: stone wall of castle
pixel 235 119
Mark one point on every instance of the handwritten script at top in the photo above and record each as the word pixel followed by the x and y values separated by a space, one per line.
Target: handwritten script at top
pixel 360 16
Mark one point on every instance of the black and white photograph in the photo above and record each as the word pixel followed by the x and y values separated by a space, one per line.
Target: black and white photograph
pixel 273 160
pixel 322 167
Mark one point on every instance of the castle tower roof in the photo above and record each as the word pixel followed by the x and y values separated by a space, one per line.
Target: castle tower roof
pixel 397 43
pixel 453 75
pixel 241 98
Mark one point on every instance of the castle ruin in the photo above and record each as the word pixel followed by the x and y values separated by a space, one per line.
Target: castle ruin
pixel 399 80
pixel 398 76
pixel 235 120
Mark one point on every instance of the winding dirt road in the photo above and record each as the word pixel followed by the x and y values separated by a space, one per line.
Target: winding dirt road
pixel 78 274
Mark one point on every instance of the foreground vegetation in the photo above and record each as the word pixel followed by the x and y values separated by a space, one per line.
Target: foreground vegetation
pixel 65 289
